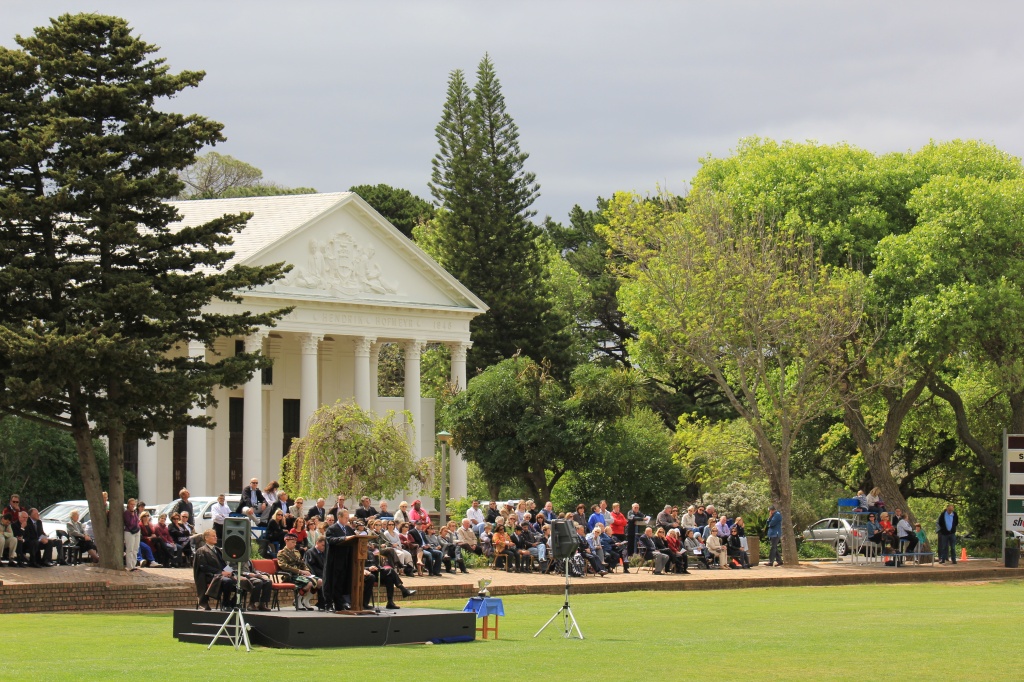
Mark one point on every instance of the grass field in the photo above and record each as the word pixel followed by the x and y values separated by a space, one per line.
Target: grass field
pixel 941 631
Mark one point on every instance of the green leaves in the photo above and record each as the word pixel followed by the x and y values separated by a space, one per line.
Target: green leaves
pixel 351 450
pixel 482 232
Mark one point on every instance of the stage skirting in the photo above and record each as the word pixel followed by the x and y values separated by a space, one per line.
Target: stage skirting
pixel 315 630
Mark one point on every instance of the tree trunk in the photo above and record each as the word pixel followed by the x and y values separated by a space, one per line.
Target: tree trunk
pixel 878 453
pixel 963 429
pixel 107 528
pixel 782 496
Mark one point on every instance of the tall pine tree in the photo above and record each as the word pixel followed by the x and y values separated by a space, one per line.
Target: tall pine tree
pixel 482 232
pixel 99 298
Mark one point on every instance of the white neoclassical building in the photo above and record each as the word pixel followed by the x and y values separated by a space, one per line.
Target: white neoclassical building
pixel 357 283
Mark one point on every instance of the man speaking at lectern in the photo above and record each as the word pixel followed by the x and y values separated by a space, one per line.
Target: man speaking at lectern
pixel 338 569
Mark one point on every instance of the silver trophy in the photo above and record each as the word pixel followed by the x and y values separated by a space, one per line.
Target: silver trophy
pixel 484 593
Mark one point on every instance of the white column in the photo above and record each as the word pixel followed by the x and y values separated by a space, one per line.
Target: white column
pixel 252 428
pixel 361 375
pixel 147 469
pixel 458 379
pixel 197 466
pixel 309 393
pixel 374 375
pixel 412 393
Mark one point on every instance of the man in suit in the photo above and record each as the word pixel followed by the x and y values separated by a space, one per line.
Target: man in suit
pixel 25 533
pixel 44 543
pixel 211 573
pixel 946 526
pixel 774 526
pixel 318 510
pixel 252 497
pixel 431 556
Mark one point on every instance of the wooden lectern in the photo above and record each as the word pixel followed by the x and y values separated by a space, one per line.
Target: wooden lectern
pixel 358 545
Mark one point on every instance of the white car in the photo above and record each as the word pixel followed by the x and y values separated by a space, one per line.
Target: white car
pixel 56 516
pixel 201 505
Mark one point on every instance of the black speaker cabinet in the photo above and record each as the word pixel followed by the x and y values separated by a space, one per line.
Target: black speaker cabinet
pixel 563 538
pixel 236 547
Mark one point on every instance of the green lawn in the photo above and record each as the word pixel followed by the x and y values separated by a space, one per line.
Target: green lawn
pixel 962 631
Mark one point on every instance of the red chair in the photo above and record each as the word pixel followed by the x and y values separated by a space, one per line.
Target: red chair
pixel 278 580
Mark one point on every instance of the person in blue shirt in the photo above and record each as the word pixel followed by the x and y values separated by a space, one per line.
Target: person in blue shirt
pixel 596 517
pixel 774 536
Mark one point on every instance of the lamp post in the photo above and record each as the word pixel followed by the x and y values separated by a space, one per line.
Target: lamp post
pixel 445 439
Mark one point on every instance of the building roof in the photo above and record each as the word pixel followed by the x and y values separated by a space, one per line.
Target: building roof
pixel 273 218
pixel 277 218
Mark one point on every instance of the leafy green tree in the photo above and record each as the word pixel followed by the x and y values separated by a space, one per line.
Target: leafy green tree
pixel 753 305
pixel 41 465
pixel 100 295
pixel 848 200
pixel 961 282
pixel 402 208
pixel 600 324
pixel 350 450
pixel 482 232
pixel 212 174
pixel 522 427
pixel 219 176
pixel 633 463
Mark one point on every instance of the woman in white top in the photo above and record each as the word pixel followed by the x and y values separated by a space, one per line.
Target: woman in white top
pixel 688 520
pixel 717 548
pixel 395 540
pixel 402 515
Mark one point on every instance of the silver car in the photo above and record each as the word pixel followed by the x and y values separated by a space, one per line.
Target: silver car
pixel 839 533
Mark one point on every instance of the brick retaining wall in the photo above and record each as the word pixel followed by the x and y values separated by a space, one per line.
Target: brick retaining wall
pixel 110 596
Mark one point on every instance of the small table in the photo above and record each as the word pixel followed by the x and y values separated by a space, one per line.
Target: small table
pixel 485 608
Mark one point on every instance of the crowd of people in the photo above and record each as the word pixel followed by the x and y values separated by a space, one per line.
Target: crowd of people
pixel 516 536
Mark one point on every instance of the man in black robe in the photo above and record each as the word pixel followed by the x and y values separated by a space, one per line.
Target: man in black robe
pixel 338 567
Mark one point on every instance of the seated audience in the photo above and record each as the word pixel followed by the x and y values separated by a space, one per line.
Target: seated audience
pixel 718 549
pixel 735 551
pixel 614 551
pixel 695 548
pixel 646 548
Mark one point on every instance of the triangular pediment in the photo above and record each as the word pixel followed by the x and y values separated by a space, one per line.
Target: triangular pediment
pixel 340 250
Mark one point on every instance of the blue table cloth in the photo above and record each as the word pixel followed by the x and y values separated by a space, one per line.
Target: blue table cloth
pixel 485 607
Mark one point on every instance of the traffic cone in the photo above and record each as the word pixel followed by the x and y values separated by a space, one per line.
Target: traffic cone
pixel 963 554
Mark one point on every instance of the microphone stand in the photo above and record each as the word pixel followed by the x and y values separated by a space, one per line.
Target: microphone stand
pixel 565 612
pixel 235 620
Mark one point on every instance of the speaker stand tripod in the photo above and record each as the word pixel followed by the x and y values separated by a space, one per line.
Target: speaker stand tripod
pixel 568 620
pixel 234 623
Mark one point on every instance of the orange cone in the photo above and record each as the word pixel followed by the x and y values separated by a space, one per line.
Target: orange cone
pixel 963 554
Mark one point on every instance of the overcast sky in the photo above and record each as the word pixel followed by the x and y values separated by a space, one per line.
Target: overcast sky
pixel 607 96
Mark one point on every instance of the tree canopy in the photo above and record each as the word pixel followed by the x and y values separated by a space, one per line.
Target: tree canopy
pixel 351 450
pixel 482 232
pixel 100 295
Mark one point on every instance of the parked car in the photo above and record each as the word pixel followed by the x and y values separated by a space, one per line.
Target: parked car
pixel 56 516
pixel 839 533
pixel 201 505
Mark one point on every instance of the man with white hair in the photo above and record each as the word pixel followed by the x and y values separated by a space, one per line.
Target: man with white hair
pixel 467 539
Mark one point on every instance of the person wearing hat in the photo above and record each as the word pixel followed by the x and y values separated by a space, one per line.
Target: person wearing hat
pixel 418 513
pixel 290 562
pixel 774 531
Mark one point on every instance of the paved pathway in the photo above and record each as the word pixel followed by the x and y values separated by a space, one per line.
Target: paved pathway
pixel 709 579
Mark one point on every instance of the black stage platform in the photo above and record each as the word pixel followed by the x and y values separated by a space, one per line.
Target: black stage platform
pixel 315 630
